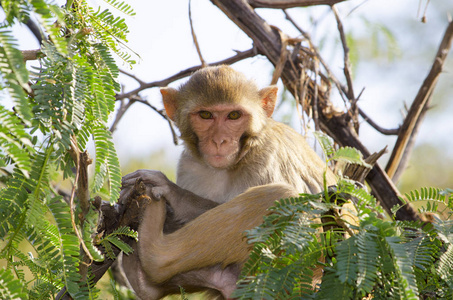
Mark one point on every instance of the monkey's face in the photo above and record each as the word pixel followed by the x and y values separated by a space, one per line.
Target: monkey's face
pixel 219 129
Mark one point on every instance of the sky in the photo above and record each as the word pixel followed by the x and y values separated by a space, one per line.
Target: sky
pixel 160 34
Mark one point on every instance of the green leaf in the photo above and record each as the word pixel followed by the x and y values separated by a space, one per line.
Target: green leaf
pixel 107 163
pixel 326 143
pixel 350 155
pixel 122 6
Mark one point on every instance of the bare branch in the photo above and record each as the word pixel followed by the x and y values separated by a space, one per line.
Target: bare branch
pixel 121 111
pixel 315 97
pixel 290 3
pixel 187 72
pixel 163 114
pixel 283 58
pixel 347 63
pixel 408 151
pixel 194 37
pixel 421 101
pixel 34 28
pixel 376 126
pixel 141 82
pixel 347 72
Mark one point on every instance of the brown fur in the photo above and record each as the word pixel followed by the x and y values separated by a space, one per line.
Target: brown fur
pixel 274 162
pixel 227 222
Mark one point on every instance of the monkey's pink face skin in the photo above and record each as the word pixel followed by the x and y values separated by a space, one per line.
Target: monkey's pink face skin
pixel 219 129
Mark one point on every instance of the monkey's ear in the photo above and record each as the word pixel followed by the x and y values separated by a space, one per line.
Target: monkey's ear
pixel 268 99
pixel 169 99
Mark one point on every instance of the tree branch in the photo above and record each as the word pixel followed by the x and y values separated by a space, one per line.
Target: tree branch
pixel 290 3
pixel 124 106
pixel 376 126
pixel 194 37
pixel 82 161
pixel 141 82
pixel 187 72
pixel 421 101
pixel 347 71
pixel 35 30
pixel 32 54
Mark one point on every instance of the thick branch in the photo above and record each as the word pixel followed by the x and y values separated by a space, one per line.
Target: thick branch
pixel 421 101
pixel 268 42
pixel 35 30
pixel 32 54
pixel 408 151
pixel 290 3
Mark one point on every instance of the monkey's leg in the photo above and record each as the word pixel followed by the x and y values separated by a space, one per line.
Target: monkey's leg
pixel 137 278
pixel 215 237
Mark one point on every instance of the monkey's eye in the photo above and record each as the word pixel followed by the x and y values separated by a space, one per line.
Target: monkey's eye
pixel 234 115
pixel 205 114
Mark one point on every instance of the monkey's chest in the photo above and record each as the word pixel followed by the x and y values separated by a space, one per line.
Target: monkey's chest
pixel 216 185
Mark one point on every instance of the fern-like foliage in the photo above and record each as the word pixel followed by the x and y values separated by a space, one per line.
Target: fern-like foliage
pixel 11 288
pixel 68 97
pixel 377 258
pixel 114 239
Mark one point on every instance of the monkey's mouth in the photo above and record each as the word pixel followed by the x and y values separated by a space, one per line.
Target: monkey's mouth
pixel 219 160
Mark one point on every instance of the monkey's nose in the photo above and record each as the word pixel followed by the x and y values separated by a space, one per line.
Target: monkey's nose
pixel 219 142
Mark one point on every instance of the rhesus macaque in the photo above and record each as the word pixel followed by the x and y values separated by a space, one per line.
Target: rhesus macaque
pixel 235 155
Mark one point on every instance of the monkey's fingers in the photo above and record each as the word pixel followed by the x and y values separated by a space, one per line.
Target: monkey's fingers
pixel 152 177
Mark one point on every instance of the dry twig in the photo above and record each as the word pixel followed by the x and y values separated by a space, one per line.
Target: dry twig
pixel 194 37
pixel 418 107
pixel 347 72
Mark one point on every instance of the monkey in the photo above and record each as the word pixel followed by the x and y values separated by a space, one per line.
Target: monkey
pixel 237 161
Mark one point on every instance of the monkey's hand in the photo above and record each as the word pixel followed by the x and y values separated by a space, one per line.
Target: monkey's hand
pixel 185 204
pixel 158 185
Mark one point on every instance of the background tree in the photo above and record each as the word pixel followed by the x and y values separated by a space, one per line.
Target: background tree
pixel 53 108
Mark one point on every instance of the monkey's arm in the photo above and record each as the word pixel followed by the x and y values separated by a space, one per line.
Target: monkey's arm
pixel 186 205
pixel 214 238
